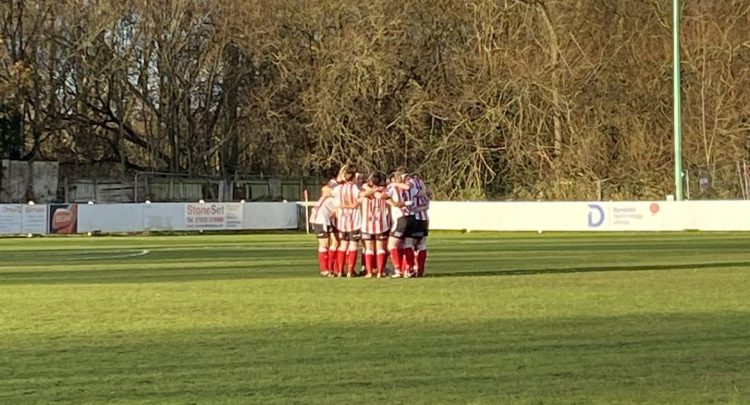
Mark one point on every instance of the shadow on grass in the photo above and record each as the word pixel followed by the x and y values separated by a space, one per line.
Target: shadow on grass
pixel 592 269
pixel 251 272
pixel 587 359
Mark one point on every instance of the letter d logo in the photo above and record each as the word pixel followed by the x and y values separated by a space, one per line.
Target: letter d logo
pixel 596 216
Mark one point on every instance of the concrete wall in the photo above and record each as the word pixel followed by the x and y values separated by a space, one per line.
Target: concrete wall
pixel 17 176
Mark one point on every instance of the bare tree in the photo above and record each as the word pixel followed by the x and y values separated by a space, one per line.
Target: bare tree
pixel 522 99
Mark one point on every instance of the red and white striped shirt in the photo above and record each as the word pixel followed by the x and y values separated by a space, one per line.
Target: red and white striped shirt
pixel 333 183
pixel 347 219
pixel 398 195
pixel 323 211
pixel 376 217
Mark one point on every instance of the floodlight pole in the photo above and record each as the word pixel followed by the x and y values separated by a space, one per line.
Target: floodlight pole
pixel 677 89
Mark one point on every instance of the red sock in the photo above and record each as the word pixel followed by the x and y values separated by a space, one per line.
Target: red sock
pixel 323 259
pixel 340 261
pixel 421 259
pixel 396 259
pixel 369 261
pixel 332 260
pixel 409 253
pixel 351 260
pixel 381 259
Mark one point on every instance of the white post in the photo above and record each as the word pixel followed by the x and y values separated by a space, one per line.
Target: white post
pixel 307 212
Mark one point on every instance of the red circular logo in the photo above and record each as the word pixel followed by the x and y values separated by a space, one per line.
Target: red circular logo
pixel 654 208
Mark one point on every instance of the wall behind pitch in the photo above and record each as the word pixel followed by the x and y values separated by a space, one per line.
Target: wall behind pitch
pixel 444 215
pixel 270 216
pixel 163 216
pixel 509 216
pixel 474 216
pixel 574 216
pixel 715 215
pixel 186 217
pixel 110 217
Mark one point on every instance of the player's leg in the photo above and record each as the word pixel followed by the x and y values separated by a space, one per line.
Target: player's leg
pixel 412 234
pixel 422 250
pixel 351 261
pixel 415 247
pixel 394 248
pixel 421 256
pixel 322 234
pixel 381 254
pixel 341 255
pixel 394 245
pixel 418 235
pixel 363 259
pixel 407 258
pixel 333 248
pixel 369 256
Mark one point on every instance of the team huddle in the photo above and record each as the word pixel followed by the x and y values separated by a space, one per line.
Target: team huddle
pixel 388 214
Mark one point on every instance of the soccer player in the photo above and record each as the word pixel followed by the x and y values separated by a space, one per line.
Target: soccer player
pixel 359 180
pixel 321 220
pixel 348 222
pixel 376 224
pixel 422 222
pixel 402 219
pixel 414 247
pixel 413 232
pixel 334 182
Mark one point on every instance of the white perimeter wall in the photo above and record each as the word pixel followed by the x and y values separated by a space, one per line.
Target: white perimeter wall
pixel 473 216
pixel 36 219
pixel 592 216
pixel 186 217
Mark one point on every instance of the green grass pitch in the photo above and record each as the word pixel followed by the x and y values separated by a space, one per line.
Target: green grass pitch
pixel 502 318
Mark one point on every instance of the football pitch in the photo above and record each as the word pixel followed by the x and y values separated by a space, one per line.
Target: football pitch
pixel 501 318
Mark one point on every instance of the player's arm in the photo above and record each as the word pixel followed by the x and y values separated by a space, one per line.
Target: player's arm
pixel 421 208
pixel 401 186
pixel 336 206
pixel 382 194
pixel 393 202
pixel 358 201
pixel 369 192
pixel 354 204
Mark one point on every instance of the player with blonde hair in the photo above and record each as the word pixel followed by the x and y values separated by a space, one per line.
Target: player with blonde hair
pixel 400 200
pixel 322 223
pixel 348 221
pixel 376 224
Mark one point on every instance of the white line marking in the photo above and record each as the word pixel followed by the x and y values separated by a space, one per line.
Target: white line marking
pixel 234 248
pixel 115 254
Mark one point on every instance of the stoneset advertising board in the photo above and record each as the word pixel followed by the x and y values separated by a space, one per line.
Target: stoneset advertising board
pixel 213 216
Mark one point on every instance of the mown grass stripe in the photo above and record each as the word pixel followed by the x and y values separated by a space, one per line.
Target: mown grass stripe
pixel 514 318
